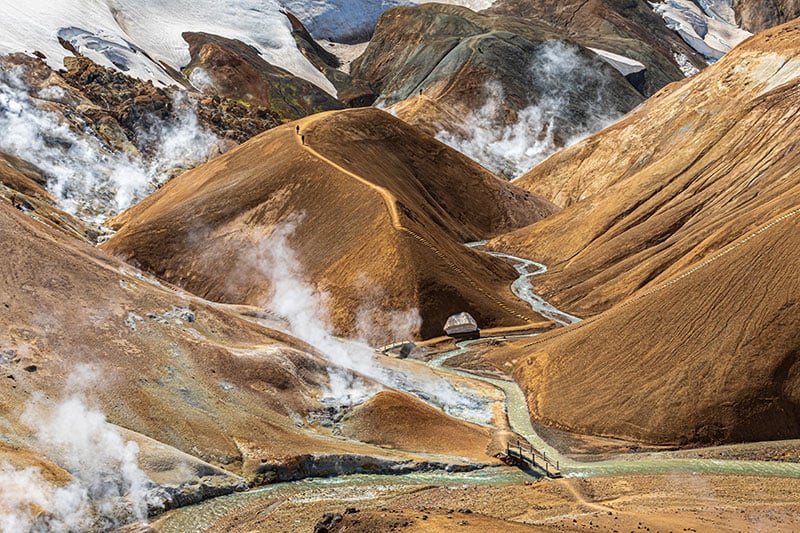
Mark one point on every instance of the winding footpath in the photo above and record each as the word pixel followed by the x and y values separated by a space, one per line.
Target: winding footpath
pixel 199 517
pixel 390 201
pixel 516 405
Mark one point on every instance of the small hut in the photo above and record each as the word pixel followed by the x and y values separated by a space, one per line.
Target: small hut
pixel 462 326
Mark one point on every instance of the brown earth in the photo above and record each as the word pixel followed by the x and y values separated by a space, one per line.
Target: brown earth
pixel 709 357
pixel 238 72
pixel 220 387
pixel 68 304
pixel 635 503
pixel 758 15
pixel 699 165
pixel 693 240
pixel 397 420
pixel 23 186
pixel 381 212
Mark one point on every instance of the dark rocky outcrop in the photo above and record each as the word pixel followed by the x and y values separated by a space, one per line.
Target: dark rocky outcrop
pixel 758 15
pixel 626 27
pixel 231 69
pixel 447 69
pixel 352 92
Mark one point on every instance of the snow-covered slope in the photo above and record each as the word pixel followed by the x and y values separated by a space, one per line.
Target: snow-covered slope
pixel 711 31
pixel 136 35
pixel 353 20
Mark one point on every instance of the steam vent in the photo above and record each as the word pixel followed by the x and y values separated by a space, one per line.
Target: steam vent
pixel 233 237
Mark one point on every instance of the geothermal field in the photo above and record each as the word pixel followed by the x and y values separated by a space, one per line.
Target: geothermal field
pixel 398 265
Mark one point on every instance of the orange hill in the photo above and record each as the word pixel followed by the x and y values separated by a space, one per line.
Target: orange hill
pixel 697 166
pixel 692 239
pixel 711 357
pixel 382 213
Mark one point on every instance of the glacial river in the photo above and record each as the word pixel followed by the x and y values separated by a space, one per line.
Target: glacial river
pixel 363 487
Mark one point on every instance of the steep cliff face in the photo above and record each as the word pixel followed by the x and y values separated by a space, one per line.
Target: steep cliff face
pixel 683 238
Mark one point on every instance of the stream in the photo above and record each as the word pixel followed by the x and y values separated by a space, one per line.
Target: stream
pixel 364 487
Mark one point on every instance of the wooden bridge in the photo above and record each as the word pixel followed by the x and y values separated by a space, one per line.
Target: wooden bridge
pixel 524 454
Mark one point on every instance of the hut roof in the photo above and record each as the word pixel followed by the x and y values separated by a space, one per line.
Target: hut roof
pixel 460 323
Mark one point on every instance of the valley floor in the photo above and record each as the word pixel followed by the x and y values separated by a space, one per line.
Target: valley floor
pixel 682 502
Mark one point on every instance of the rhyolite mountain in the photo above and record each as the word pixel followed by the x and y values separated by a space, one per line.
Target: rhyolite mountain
pixel 215 398
pixel 381 211
pixel 686 244
pixel 759 15
pixel 628 29
pixel 449 70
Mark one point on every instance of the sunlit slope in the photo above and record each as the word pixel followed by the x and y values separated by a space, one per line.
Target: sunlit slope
pixel 381 212
pixel 712 357
pixel 67 304
pixel 158 362
pixel 698 165
pixel 689 254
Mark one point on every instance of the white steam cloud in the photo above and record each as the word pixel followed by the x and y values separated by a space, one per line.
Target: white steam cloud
pixel 293 298
pixel 107 488
pixel 547 124
pixel 86 178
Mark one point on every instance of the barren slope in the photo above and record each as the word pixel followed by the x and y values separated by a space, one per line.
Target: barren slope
pixel 398 420
pixel 380 212
pixel 161 363
pixel 696 241
pixel 710 357
pixel 66 304
pixel 698 165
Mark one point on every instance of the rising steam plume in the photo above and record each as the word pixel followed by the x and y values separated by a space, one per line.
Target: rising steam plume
pixel 107 488
pixel 563 76
pixel 85 177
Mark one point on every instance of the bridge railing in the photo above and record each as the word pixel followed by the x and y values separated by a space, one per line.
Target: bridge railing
pixel 525 452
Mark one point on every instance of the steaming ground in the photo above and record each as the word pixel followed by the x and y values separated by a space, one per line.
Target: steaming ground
pixel 107 488
pixel 303 307
pixel 542 128
pixel 86 178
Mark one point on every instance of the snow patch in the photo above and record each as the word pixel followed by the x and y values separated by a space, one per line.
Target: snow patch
pixel 685 65
pixel 346 53
pixel 625 65
pixel 710 34
pixel 135 36
pixel 352 21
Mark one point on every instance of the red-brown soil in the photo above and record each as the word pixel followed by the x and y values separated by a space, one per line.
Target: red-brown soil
pixel 382 210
